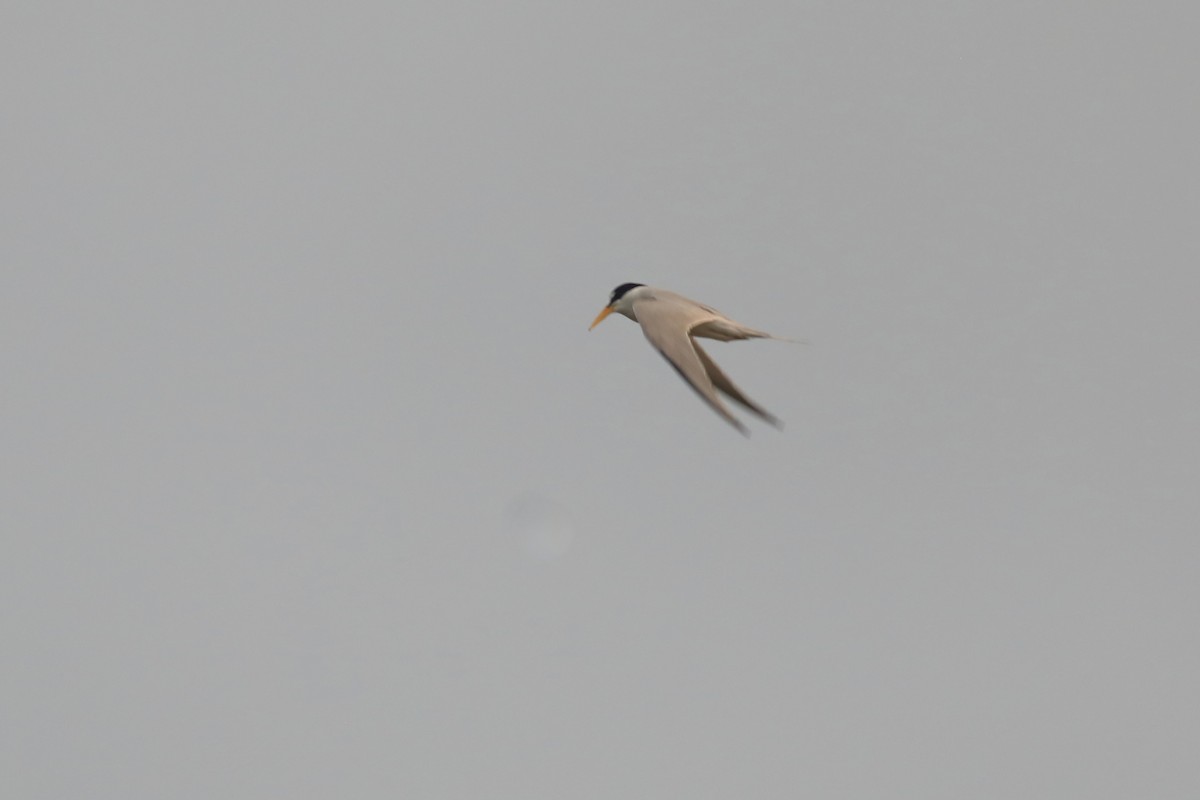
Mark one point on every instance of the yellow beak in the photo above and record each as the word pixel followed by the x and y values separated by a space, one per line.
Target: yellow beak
pixel 600 317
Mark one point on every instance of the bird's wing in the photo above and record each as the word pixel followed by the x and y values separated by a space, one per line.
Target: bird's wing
pixel 708 323
pixel 666 323
pixel 721 381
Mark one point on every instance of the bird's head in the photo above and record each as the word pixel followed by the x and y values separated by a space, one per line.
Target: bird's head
pixel 620 301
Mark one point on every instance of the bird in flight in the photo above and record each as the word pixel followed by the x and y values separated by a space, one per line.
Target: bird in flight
pixel 672 323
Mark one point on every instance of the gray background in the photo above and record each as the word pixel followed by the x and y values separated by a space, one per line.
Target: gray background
pixel 315 485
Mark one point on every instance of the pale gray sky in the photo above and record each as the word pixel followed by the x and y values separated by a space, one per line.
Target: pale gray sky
pixel 315 484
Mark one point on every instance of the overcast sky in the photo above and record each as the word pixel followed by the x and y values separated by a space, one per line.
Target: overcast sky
pixel 314 483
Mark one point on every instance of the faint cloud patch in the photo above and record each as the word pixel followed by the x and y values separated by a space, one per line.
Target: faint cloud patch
pixel 540 527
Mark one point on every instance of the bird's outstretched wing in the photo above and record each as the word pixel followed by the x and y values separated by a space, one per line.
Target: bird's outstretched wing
pixel 721 381
pixel 666 325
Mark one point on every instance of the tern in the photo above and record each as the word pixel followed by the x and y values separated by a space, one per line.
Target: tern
pixel 672 323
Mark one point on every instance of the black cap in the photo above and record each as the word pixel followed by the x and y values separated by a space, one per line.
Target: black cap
pixel 621 290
